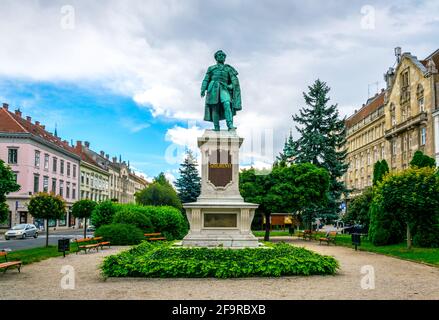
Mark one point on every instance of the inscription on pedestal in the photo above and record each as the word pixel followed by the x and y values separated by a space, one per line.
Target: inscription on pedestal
pixel 220 220
pixel 220 168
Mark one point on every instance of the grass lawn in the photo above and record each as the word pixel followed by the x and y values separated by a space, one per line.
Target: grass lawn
pixel 425 255
pixel 28 256
pixel 272 233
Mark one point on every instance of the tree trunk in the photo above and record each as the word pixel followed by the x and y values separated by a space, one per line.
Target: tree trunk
pixel 85 228
pixel 267 227
pixel 409 237
pixel 47 233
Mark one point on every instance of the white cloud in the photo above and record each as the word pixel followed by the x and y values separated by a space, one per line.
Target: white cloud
pixel 158 51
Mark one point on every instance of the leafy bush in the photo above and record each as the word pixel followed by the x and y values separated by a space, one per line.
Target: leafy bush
pixel 103 214
pixel 120 234
pixel 133 215
pixel 160 260
pixel 385 228
pixel 426 235
pixel 167 220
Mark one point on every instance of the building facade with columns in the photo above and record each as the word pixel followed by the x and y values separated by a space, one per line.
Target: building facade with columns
pixel 42 162
pixel 411 104
pixel 365 143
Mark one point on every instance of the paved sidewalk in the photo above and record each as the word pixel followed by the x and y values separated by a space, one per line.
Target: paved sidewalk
pixel 395 279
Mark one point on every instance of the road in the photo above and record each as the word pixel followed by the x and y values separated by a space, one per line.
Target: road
pixel 28 243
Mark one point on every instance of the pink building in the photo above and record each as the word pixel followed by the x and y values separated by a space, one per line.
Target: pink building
pixel 41 162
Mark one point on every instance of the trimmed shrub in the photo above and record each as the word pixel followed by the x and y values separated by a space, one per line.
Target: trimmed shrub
pixel 103 214
pixel 385 228
pixel 120 234
pixel 154 260
pixel 134 216
pixel 165 219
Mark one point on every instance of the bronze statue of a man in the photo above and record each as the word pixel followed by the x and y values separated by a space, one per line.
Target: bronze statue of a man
pixel 223 92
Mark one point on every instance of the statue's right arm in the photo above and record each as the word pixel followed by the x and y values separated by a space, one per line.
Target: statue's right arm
pixel 205 83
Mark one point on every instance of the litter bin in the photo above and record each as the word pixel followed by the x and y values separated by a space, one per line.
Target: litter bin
pixel 356 239
pixel 64 245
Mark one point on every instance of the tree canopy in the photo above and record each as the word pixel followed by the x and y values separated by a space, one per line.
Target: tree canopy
pixel 189 183
pixel 380 169
pixel 421 160
pixel 83 209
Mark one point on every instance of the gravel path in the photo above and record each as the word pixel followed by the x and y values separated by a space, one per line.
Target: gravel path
pixel 395 279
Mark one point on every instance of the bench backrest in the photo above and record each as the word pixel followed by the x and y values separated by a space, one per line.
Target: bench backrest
pixel 4 253
pixel 83 240
pixel 152 234
pixel 98 238
pixel 333 234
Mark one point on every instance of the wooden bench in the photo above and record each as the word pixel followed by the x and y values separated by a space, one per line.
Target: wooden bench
pixel 307 234
pixel 101 243
pixel 86 244
pixel 329 238
pixel 7 264
pixel 154 236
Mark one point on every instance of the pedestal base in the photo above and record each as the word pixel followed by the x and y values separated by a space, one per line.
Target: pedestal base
pixel 216 224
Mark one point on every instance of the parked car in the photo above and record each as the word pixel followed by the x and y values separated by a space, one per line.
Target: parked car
pixel 91 228
pixel 22 231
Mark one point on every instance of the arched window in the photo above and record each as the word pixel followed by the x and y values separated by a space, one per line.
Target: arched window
pixel 420 98
pixel 392 114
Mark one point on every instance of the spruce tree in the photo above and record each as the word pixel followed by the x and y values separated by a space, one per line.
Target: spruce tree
pixel 322 142
pixel 189 183
pixel 288 153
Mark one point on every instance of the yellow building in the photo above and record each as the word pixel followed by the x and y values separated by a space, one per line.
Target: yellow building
pixel 365 143
pixel 411 99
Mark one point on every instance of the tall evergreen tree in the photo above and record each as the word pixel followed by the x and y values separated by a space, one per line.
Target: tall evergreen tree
pixel 189 183
pixel 322 142
pixel 288 153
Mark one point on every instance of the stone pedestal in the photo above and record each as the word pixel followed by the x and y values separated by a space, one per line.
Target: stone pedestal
pixel 220 217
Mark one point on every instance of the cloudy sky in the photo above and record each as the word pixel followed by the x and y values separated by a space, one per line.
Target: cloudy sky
pixel 126 75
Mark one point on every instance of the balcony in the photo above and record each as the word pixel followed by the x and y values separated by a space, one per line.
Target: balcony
pixel 406 125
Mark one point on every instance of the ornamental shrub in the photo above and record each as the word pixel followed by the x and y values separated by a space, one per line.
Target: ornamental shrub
pixel 165 219
pixel 385 228
pixel 120 234
pixel 134 216
pixel 154 260
pixel 103 214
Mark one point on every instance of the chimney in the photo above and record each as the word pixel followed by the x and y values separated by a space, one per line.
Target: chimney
pixel 28 119
pixel 5 106
pixel 17 112
pixel 107 156
pixel 114 159
pixel 37 123
pixel 102 153
pixel 87 144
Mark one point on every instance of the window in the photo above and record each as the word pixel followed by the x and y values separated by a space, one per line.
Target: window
pixel 74 191
pixel 36 183
pixel 68 190
pixel 393 147
pixel 421 104
pixel 74 171
pixel 46 162
pixel 68 169
pixel 12 155
pixel 45 184
pixel 410 141
pixel 37 159
pixel 404 113
pixel 54 185
pixel 82 177
pixel 382 151
pixel 87 179
pixel 368 158
pixel 62 166
pixel 61 188
pixel 392 115
pixel 54 164
pixel 423 136
pixel 420 96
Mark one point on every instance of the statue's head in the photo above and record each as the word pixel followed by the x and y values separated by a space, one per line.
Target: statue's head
pixel 220 56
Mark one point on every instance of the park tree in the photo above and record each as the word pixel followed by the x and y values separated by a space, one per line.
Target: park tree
pixel 412 196
pixel 380 169
pixel 189 183
pixel 83 209
pixel 288 153
pixel 159 193
pixel 103 213
pixel 421 160
pixel 47 206
pixel 322 143
pixel 7 185
pixel 289 188
pixel 358 209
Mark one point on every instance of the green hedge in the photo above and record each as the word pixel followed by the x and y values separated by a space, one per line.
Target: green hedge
pixel 160 260
pixel 167 220
pixel 120 234
pixel 133 216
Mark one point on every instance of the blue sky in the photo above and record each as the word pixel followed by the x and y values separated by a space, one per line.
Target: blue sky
pixel 126 75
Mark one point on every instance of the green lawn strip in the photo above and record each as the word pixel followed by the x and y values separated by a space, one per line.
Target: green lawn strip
pixel 428 256
pixel 28 256
pixel 272 233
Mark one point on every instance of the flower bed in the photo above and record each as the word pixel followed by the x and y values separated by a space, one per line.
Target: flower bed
pixel 161 260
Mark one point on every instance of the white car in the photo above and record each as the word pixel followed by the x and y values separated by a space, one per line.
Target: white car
pixel 22 231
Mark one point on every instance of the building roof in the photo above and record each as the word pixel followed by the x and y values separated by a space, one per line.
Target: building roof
pixel 372 105
pixel 14 123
